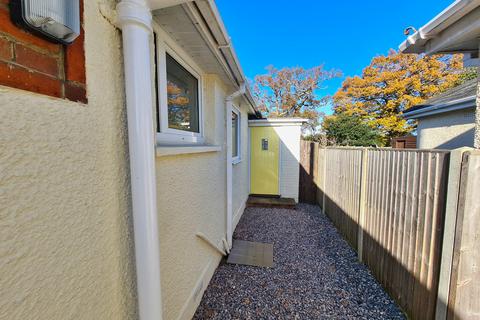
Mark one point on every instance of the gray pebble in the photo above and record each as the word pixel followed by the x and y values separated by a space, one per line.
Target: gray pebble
pixel 316 274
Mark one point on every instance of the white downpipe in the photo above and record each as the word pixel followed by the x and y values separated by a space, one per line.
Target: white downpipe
pixel 229 101
pixel 135 19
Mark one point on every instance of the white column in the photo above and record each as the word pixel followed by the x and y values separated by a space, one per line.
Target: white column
pixel 135 20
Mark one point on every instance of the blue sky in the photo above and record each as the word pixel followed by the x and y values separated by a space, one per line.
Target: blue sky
pixel 342 35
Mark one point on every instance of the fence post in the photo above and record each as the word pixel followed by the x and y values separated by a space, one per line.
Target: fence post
pixel 464 302
pixel 450 225
pixel 324 179
pixel 363 202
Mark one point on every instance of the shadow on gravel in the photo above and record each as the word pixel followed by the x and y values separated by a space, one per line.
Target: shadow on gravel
pixel 316 274
pixel 413 296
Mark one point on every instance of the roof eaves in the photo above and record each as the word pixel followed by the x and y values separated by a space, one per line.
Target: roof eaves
pixel 211 17
pixel 416 42
pixel 428 110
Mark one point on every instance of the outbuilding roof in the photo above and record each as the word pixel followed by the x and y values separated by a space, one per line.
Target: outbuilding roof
pixel 460 97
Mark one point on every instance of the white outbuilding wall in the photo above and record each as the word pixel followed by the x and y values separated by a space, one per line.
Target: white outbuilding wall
pixel 289 160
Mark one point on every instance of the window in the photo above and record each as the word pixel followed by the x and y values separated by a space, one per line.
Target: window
pixel 182 91
pixel 179 94
pixel 236 151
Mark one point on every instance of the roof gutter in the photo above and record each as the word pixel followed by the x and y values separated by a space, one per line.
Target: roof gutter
pixel 206 17
pixel 459 104
pixel 416 42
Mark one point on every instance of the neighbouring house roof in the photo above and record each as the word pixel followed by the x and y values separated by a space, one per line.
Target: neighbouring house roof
pixel 460 97
pixel 455 29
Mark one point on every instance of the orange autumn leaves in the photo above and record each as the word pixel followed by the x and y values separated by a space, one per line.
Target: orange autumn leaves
pixel 175 95
pixel 391 85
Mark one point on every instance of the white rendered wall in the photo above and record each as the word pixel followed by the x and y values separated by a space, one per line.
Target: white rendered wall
pixel 66 246
pixel 447 130
pixel 191 193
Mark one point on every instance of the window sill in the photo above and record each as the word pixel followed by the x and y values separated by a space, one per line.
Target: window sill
pixel 171 150
pixel 236 161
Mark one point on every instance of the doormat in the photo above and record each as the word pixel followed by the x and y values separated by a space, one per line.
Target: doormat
pixel 251 254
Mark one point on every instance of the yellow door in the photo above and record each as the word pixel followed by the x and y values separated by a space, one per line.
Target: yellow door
pixel 264 143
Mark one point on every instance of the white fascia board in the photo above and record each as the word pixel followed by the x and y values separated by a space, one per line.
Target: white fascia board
pixel 209 10
pixel 250 99
pixel 453 13
pixel 447 17
pixel 221 42
pixel 465 103
pixel 160 4
pixel 460 37
pixel 277 122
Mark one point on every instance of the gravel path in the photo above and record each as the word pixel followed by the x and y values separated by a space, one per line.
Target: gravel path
pixel 316 274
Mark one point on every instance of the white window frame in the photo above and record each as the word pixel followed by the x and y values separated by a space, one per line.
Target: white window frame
pixel 238 158
pixel 169 136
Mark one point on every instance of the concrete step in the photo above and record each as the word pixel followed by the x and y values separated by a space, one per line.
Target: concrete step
pixel 271 202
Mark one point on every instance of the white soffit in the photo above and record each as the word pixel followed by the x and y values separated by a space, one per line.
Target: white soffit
pixel 178 25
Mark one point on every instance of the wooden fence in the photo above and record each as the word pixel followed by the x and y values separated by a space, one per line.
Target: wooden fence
pixel 390 205
pixel 403 224
pixel 342 199
pixel 460 277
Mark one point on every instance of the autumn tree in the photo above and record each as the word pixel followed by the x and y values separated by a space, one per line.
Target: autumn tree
pixel 292 92
pixel 391 85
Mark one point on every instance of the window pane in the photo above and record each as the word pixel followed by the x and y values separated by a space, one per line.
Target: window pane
pixel 234 135
pixel 182 90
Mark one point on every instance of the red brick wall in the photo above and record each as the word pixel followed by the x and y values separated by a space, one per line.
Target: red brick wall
pixel 29 62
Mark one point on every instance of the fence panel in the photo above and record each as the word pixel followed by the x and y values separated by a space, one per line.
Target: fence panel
pixel 402 239
pixel 342 190
pixel 389 204
pixel 464 301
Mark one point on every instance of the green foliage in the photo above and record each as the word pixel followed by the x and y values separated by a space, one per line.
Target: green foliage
pixel 345 130
pixel 468 74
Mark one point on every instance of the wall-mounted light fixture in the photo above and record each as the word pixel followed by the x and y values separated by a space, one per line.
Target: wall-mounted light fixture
pixel 58 20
